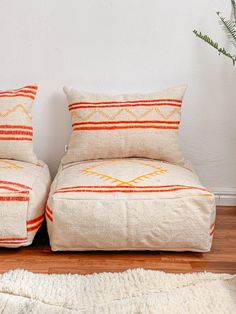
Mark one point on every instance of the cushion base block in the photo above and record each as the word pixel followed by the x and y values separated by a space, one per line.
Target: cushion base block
pixel 181 224
pixel 129 204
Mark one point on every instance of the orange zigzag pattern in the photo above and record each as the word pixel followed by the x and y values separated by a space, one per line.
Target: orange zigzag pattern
pixel 14 109
pixel 119 182
pixel 108 116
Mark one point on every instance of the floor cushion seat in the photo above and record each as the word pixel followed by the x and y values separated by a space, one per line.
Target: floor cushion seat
pixel 129 204
pixel 24 189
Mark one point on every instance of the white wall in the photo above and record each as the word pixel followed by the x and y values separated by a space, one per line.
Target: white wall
pixel 124 45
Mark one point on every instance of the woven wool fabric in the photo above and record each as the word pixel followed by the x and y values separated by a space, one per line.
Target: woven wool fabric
pixel 129 204
pixel 133 291
pixel 16 130
pixel 118 126
pixel 24 189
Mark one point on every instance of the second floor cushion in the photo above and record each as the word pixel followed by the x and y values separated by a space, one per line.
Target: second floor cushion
pixel 129 204
pixel 16 130
pixel 125 125
pixel 23 192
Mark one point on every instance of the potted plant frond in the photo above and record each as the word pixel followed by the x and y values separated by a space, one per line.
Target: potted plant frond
pixel 229 26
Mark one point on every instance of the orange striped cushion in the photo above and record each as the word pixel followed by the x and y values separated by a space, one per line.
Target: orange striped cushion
pixel 129 204
pixel 118 126
pixel 16 130
pixel 23 192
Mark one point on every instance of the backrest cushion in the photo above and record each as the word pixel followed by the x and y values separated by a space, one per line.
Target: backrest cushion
pixel 127 125
pixel 16 130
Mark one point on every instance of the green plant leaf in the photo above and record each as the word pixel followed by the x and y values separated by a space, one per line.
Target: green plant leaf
pixel 215 45
pixel 234 9
pixel 229 27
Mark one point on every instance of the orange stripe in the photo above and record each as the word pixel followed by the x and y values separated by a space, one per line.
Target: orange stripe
pixel 126 102
pixel 212 225
pixel 133 187
pixel 124 191
pixel 31 87
pixel 15 184
pixel 125 122
pixel 16 132
pixel 9 126
pixel 49 216
pixel 125 127
pixel 26 91
pixel 14 198
pixel 35 227
pixel 8 188
pixel 49 210
pixel 20 89
pixel 15 139
pixel 212 228
pixel 34 220
pixel 10 242
pixel 123 105
pixel 13 239
pixel 18 95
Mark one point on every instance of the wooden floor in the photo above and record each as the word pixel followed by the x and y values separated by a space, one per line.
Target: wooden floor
pixel 39 258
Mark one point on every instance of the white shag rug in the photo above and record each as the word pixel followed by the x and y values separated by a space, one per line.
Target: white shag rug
pixel 132 291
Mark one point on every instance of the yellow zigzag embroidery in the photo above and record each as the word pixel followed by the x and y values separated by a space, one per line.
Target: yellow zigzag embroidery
pixel 14 109
pixel 104 177
pixel 170 114
pixel 148 175
pixel 103 113
pixel 9 165
pixel 110 117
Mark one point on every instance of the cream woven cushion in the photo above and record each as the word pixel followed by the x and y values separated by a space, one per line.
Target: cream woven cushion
pixel 117 126
pixel 23 192
pixel 129 204
pixel 16 130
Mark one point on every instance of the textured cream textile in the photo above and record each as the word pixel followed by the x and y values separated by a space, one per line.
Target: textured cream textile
pixel 129 204
pixel 117 126
pixel 133 291
pixel 24 189
pixel 16 130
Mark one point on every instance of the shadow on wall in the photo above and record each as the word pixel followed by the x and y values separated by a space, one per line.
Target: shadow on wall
pixel 59 129
pixel 209 118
